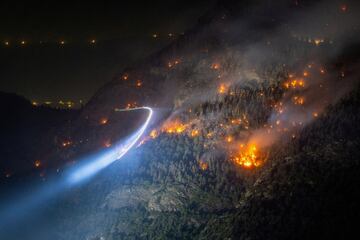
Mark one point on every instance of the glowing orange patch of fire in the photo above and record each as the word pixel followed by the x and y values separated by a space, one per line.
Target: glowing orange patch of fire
pixel 203 165
pixel 248 157
pixel 295 83
pixel 103 121
pixel 153 134
pixel 37 163
pixel 194 132
pixel 222 89
pixel 174 127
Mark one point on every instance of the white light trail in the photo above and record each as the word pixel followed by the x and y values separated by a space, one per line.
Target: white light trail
pixel 16 210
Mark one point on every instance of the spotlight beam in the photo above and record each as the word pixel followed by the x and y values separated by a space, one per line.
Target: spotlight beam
pixel 18 210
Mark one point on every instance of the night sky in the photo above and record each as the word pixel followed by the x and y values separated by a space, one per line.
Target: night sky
pixel 44 69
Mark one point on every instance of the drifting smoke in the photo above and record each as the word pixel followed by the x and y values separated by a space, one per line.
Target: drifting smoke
pixel 306 39
pixel 323 81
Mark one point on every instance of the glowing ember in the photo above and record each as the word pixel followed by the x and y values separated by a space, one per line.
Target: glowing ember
pixel 203 165
pixel 229 139
pixel 153 134
pixel 138 83
pixel 174 127
pixel 295 83
pixel 215 66
pixel 236 121
pixel 66 143
pixel 125 77
pixel 103 121
pixel 37 163
pixel 194 132
pixel 298 100
pixel 222 89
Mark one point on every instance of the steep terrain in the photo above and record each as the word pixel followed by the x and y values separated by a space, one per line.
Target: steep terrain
pixel 260 136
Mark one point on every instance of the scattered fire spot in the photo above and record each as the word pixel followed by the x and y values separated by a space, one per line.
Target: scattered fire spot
pixel 203 165
pixel 222 89
pixel 37 163
pixel 153 134
pixel 139 83
pixel 194 132
pixel 66 143
pixel 295 83
pixel 298 100
pixel 103 121
pixel 125 77
pixel 215 66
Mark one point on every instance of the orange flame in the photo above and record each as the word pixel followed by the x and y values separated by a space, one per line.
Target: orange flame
pixel 248 157
pixel 203 165
pixel 37 163
pixel 103 121
pixel 222 88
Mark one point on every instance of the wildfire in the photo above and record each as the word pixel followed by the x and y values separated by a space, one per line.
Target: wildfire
pixel 125 77
pixel 174 127
pixel 248 157
pixel 194 132
pixel 298 100
pixel 222 89
pixel 153 134
pixel 203 165
pixel 173 63
pixel 138 83
pixel 215 66
pixel 103 121
pixel 37 163
pixel 295 83
pixel 229 139
pixel 236 121
pixel 66 143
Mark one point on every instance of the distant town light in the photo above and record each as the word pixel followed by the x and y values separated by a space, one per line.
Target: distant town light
pixel 6 43
pixel 23 42
pixel 93 41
